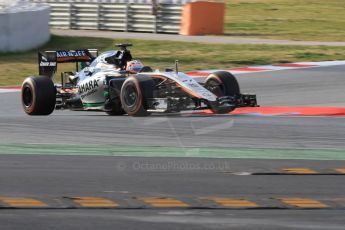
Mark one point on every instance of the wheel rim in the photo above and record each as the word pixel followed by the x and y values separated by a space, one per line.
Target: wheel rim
pixel 215 87
pixel 131 95
pixel 27 96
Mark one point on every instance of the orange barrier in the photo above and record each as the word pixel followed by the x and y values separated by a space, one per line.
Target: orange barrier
pixel 200 18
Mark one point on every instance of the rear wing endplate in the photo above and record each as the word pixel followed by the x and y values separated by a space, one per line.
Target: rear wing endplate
pixel 48 60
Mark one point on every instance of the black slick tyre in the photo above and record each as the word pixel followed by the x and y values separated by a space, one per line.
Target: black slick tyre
pixel 134 94
pixel 38 95
pixel 116 109
pixel 221 84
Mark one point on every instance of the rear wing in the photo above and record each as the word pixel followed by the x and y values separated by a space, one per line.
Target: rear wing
pixel 48 60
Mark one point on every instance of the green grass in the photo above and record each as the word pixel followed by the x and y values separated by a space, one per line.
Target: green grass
pixel 313 20
pixel 317 20
pixel 14 67
pixel 160 151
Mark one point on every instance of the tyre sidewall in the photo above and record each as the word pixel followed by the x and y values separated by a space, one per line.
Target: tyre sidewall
pixel 43 94
pixel 144 86
pixel 227 80
pixel 138 105
pixel 29 83
pixel 230 87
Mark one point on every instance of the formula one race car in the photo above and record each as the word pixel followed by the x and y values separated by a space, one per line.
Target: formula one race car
pixel 103 83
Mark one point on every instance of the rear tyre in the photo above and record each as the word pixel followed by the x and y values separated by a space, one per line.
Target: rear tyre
pixel 221 84
pixel 134 94
pixel 38 95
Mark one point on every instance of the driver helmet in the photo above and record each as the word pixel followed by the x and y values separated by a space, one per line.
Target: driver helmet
pixel 134 66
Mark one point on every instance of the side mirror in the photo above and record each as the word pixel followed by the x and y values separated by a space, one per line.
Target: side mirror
pixel 87 71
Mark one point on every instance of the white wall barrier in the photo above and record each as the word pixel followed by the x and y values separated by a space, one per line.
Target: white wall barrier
pixel 155 16
pixel 23 26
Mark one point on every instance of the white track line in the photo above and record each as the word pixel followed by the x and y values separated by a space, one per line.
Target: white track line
pixel 2 90
pixel 268 68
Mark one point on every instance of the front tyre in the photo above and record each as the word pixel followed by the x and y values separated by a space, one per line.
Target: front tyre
pixel 134 94
pixel 38 95
pixel 116 109
pixel 222 84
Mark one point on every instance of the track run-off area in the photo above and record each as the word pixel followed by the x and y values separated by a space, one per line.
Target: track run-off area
pixel 278 166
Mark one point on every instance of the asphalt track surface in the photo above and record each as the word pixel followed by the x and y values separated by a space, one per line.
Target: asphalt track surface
pixel 182 38
pixel 49 177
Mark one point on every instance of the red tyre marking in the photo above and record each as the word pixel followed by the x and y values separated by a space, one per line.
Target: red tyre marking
pixel 139 95
pixel 31 108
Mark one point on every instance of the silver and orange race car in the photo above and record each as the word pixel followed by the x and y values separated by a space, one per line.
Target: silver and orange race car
pixel 102 83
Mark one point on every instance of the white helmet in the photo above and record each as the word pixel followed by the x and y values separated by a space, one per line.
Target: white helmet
pixel 134 66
